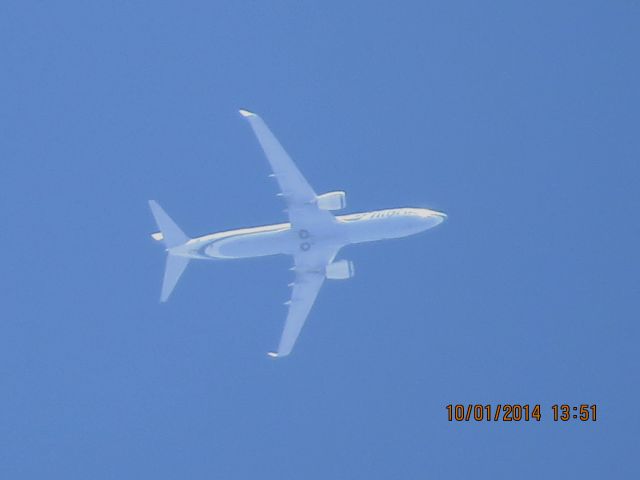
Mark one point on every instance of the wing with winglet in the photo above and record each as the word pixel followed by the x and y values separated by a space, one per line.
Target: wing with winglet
pixel 310 275
pixel 294 188
pixel 304 214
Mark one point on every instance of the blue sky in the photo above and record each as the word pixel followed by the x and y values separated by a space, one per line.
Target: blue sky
pixel 518 120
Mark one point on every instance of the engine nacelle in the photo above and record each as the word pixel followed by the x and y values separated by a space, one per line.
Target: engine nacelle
pixel 332 201
pixel 340 270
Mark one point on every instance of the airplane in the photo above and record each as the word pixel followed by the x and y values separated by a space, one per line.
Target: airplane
pixel 313 236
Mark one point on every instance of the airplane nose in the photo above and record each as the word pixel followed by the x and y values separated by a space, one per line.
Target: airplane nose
pixel 433 218
pixel 432 213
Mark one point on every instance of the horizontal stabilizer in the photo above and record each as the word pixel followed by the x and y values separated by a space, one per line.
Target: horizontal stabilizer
pixel 172 237
pixel 171 233
pixel 173 271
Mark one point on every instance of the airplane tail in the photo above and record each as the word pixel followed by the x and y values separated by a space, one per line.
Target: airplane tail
pixel 172 236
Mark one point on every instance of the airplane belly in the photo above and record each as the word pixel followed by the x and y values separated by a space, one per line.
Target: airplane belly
pixel 251 245
pixel 381 229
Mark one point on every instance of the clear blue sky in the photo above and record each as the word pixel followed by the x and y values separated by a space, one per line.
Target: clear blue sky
pixel 518 119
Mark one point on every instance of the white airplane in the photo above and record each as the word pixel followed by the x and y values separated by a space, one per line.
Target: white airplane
pixel 313 236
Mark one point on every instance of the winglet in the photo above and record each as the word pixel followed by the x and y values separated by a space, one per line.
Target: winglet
pixel 246 113
pixel 272 354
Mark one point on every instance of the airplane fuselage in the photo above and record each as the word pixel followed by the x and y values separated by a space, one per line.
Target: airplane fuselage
pixel 281 239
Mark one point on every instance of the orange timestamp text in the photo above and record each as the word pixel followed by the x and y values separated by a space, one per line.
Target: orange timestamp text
pixel 514 412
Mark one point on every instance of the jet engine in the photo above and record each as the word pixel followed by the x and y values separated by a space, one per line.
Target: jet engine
pixel 340 270
pixel 332 200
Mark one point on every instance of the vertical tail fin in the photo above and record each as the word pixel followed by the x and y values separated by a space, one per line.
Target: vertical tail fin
pixel 172 236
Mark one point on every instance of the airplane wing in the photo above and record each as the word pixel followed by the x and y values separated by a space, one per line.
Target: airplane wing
pixel 294 188
pixel 310 274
